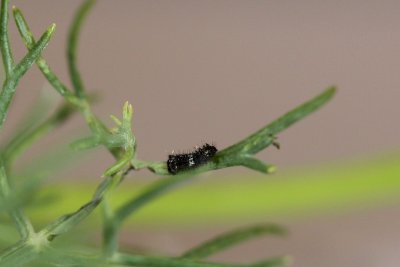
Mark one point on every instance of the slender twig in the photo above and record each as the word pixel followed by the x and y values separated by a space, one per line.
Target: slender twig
pixel 232 238
pixel 110 230
pixel 22 222
pixel 5 49
pixel 29 41
pixel 18 144
pixel 157 261
pixel 94 123
pixel 19 70
pixel 82 104
pixel 240 153
pixel 73 37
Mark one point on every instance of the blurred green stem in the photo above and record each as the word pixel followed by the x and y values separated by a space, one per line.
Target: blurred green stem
pixel 20 142
pixel 22 222
pixel 8 60
pixel 14 73
pixel 153 261
pixel 72 47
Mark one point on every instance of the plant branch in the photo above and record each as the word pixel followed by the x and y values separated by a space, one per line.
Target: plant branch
pixel 21 141
pixel 157 261
pixel 19 70
pixel 29 41
pixel 23 224
pixel 241 153
pixel 267 135
pixel 238 154
pixel 110 230
pixel 5 49
pixel 232 238
pixel 73 37
pixel 121 142
pixel 95 125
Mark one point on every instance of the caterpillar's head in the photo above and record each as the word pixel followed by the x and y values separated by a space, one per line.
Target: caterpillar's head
pixel 208 150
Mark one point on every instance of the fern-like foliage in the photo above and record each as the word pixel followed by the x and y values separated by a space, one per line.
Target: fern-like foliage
pixel 36 244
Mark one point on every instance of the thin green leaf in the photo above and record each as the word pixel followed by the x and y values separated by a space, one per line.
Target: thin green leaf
pixel 34 53
pixel 25 138
pixel 86 143
pixel 155 190
pixel 5 49
pixel 272 262
pixel 257 165
pixel 70 259
pixel 266 136
pixel 122 163
pixel 235 237
pixel 240 154
pixel 29 41
pixel 110 229
pixel 73 47
pixel 22 223
pixel 19 70
pixel 158 261
pixel 67 222
pixel 35 114
pixel 96 126
pixel 18 255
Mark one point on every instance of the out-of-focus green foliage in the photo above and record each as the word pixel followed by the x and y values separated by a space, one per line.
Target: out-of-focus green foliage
pixel 37 246
pixel 322 189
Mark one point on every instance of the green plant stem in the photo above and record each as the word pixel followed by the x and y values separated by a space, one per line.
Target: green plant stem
pixel 266 135
pixel 17 145
pixel 232 238
pixel 19 70
pixel 238 154
pixel 29 41
pixel 18 254
pixel 154 191
pixel 73 37
pixel 5 49
pixel 110 230
pixel 29 248
pixel 139 260
pixel 24 226
pixel 96 126
pixel 157 261
pixel 242 152
pixel 82 104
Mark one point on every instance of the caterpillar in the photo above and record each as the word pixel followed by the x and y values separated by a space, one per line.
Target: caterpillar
pixel 182 162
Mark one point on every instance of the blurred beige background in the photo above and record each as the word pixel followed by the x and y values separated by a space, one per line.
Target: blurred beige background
pixel 217 70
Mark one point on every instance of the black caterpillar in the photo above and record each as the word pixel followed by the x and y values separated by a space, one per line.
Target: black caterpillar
pixel 182 162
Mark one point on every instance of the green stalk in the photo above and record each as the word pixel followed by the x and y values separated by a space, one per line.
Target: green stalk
pixel 19 70
pixel 24 226
pixel 5 49
pixel 20 142
pixel 29 41
pixel 73 38
pixel 227 240
pixel 157 261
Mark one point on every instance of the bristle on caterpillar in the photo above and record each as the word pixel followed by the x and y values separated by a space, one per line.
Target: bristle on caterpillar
pixel 182 162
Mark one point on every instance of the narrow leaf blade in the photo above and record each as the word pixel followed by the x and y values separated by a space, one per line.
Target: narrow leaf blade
pixel 230 239
pixel 266 135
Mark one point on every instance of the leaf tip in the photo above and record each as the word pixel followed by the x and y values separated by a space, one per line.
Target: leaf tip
pixel 331 91
pixel 271 169
pixel 287 260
